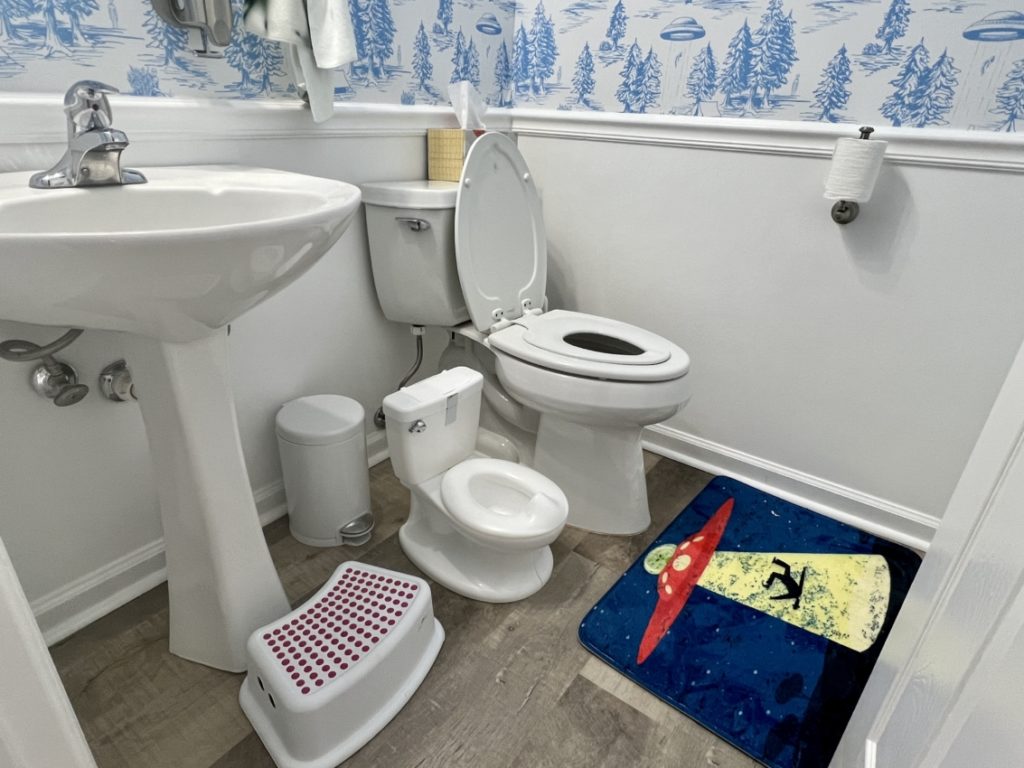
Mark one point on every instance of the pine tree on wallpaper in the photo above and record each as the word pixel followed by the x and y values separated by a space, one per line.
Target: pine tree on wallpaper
pixel 616 26
pixel 735 74
pixel 458 57
pixel 625 94
pixel 53 43
pixel 471 65
pixel 358 13
pixel 422 69
pixel 648 82
pixel 264 61
pixel 773 55
pixel 75 10
pixel 931 101
pixel 544 49
pixel 257 60
pixel 894 25
pixel 444 17
pixel 896 108
pixel 1010 97
pixel 11 10
pixel 144 81
pixel 163 37
pixel 583 82
pixel 831 94
pixel 503 76
pixel 380 37
pixel 522 55
pixel 701 83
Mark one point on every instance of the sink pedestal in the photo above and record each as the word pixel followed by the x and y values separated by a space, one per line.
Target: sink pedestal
pixel 222 582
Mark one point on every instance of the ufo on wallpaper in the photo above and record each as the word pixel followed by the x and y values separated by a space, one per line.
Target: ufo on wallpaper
pixel 1001 26
pixel 488 24
pixel 683 29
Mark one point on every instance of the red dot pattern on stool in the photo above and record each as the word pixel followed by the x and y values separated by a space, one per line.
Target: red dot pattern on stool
pixel 344 625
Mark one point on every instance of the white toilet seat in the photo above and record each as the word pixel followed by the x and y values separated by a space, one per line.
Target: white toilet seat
pixel 502 502
pixel 546 339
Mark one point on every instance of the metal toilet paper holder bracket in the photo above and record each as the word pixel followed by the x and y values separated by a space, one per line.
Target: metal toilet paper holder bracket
pixel 845 211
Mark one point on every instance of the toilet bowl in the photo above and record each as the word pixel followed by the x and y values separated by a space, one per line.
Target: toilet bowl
pixel 587 384
pixel 479 526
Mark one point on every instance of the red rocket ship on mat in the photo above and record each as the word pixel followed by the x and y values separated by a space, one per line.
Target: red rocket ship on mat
pixel 841 597
pixel 680 576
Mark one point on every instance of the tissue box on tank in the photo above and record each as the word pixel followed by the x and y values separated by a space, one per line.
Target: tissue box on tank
pixel 446 152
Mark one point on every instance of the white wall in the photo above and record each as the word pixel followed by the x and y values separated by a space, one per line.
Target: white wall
pixel 860 359
pixel 78 510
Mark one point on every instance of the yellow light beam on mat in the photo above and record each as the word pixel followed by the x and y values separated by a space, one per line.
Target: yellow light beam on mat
pixel 843 598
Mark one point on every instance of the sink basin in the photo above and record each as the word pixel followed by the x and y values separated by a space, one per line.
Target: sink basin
pixel 170 263
pixel 173 259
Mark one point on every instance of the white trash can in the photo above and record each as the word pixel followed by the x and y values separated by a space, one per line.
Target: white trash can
pixel 326 480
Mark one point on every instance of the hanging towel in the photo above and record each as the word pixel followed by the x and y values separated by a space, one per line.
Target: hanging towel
pixel 330 29
pixel 314 44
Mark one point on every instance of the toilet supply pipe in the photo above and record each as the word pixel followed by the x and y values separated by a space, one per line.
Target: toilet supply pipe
pixel 379 420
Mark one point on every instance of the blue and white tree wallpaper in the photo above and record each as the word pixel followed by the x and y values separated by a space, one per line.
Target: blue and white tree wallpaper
pixel 909 63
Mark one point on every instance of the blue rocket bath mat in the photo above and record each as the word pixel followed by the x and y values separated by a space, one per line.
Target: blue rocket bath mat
pixel 758 618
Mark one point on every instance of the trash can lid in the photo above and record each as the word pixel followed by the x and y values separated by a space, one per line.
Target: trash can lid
pixel 320 420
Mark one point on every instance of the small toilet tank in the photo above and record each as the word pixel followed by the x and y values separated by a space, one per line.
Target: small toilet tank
pixel 432 424
pixel 411 229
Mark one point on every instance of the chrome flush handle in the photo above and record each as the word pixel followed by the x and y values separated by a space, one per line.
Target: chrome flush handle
pixel 416 225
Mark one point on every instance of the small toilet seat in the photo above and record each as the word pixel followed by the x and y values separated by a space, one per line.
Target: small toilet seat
pixel 497 500
pixel 553 340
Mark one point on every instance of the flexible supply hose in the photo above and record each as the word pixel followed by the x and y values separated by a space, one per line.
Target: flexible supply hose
pixel 379 419
pixel 18 351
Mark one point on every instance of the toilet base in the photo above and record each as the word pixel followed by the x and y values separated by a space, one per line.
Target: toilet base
pixel 468 567
pixel 601 470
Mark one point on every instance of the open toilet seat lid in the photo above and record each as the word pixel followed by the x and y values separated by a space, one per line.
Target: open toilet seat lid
pixel 572 343
pixel 545 511
pixel 500 247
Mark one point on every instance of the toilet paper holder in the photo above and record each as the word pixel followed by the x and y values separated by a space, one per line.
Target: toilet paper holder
pixel 845 211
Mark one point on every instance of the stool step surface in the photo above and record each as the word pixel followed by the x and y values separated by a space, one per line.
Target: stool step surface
pixel 324 679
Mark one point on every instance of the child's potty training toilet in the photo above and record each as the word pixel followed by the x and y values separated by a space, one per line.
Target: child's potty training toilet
pixel 479 526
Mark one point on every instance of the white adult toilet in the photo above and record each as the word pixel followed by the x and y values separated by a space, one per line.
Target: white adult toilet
pixel 479 526
pixel 443 253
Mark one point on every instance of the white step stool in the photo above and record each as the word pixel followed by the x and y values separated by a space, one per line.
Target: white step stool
pixel 326 678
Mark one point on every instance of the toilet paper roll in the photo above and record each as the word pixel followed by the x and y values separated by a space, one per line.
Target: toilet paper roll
pixel 855 167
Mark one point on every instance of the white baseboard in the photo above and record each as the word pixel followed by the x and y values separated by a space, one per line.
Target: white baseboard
pixel 376 447
pixel 71 607
pixel 875 515
pixel 68 609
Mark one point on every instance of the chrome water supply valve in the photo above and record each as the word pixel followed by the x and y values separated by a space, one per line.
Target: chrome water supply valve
pixel 116 383
pixel 53 379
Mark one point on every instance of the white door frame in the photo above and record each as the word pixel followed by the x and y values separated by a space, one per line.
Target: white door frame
pixel 965 611
pixel 38 727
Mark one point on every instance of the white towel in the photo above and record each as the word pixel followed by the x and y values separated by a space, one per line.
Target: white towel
pixel 330 27
pixel 314 44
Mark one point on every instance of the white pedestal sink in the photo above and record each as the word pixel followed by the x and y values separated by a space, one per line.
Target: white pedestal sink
pixel 170 263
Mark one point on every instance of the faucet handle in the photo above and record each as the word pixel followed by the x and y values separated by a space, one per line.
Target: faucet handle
pixel 87 107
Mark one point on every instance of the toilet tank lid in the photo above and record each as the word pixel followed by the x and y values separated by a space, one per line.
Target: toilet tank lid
pixel 320 420
pixel 411 194
pixel 430 396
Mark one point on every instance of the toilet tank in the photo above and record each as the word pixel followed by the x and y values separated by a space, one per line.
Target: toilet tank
pixel 432 424
pixel 411 230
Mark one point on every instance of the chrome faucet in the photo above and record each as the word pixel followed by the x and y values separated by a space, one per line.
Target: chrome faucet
pixel 93 156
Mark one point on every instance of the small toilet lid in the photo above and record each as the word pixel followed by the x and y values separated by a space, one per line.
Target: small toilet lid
pixel 500 248
pixel 498 498
pixel 592 346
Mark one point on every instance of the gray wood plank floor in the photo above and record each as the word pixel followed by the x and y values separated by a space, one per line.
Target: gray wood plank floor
pixel 511 688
